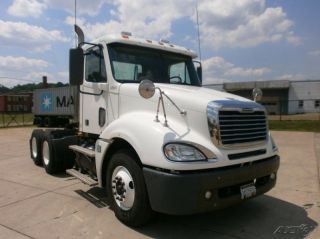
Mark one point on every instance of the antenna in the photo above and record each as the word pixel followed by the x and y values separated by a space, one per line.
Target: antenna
pixel 198 28
pixel 75 22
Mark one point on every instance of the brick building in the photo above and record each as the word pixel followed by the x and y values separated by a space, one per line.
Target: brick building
pixel 21 102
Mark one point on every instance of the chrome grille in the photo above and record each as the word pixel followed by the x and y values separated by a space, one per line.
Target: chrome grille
pixel 237 127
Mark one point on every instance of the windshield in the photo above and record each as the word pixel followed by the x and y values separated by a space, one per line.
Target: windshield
pixel 132 64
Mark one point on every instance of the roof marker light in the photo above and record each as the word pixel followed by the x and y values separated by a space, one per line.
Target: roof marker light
pixel 164 41
pixel 127 34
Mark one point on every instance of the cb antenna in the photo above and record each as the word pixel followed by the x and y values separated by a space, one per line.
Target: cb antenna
pixel 75 21
pixel 198 28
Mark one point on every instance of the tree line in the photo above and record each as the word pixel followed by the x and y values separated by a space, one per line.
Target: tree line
pixel 30 87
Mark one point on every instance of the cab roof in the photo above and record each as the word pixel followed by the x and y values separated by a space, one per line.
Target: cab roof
pixel 160 45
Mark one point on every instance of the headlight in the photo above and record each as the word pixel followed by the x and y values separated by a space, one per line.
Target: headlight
pixel 183 153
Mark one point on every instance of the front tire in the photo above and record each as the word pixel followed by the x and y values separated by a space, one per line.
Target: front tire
pixel 127 190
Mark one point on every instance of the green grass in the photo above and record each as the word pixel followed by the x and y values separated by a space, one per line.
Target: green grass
pixel 297 125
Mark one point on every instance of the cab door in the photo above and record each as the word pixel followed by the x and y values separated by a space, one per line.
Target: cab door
pixel 94 92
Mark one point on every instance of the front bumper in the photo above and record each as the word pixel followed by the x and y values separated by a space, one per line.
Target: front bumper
pixel 184 193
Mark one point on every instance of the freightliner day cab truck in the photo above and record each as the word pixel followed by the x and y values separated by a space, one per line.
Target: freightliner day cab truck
pixel 153 137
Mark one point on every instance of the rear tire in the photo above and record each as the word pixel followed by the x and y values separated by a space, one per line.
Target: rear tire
pixel 50 163
pixel 127 190
pixel 36 146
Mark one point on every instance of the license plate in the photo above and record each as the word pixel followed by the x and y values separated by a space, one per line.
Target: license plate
pixel 248 190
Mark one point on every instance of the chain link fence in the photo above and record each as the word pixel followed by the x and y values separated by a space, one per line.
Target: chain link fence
pixel 14 119
pixel 15 110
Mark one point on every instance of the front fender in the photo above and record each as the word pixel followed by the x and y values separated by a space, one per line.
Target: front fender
pixel 147 137
pixel 142 132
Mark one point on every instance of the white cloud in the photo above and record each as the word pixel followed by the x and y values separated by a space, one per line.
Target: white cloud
pixel 34 8
pixel 217 70
pixel 243 23
pixel 292 77
pixel 144 18
pixel 223 23
pixel 314 53
pixel 27 8
pixel 32 77
pixel 28 36
pixel 62 76
pixel 21 70
pixel 21 63
pixel 84 7
pixel 70 20
pixel 247 72
pixel 18 70
pixel 36 76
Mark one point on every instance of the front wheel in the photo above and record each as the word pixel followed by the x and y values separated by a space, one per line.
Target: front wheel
pixel 127 189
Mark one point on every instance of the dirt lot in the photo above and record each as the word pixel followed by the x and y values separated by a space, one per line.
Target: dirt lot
pixel 36 205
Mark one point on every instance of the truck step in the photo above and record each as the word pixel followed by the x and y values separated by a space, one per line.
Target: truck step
pixel 82 177
pixel 88 152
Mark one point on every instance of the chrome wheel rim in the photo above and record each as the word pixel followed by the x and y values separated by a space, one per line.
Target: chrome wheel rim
pixel 123 188
pixel 34 149
pixel 45 153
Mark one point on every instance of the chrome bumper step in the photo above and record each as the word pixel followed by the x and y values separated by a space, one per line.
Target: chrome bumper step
pixel 82 177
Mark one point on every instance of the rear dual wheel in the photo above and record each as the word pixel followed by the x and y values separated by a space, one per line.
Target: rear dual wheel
pixel 50 162
pixel 36 145
pixel 44 152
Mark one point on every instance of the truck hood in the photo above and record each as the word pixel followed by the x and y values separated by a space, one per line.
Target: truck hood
pixel 185 97
pixel 196 98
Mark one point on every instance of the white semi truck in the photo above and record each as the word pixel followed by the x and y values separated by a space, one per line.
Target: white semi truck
pixel 153 137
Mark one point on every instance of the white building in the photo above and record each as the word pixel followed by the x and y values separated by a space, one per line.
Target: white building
pixel 304 97
pixel 287 97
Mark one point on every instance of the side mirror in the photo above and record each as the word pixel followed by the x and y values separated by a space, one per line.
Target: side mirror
pixel 199 70
pixel 76 64
pixel 146 89
pixel 257 94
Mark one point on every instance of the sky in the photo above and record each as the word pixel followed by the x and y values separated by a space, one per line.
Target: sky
pixel 241 40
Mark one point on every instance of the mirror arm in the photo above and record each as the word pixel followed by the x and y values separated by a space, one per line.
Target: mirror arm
pixel 182 112
pixel 163 108
pixel 89 43
pixel 147 89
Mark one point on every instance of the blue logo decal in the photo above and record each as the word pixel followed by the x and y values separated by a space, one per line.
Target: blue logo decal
pixel 46 102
